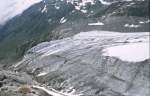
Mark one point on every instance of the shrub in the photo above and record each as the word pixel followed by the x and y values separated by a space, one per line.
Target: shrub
pixel 24 89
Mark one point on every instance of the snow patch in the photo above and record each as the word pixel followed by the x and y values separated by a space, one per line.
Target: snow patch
pixel 105 2
pixel 44 9
pixel 98 23
pixel 80 4
pixel 92 11
pixel 77 7
pixel 63 20
pixel 57 7
pixel 84 2
pixel 84 11
pixel 142 22
pixel 131 25
pixel 132 52
pixel 42 74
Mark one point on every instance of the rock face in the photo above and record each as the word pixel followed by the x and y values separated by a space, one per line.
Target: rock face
pixel 11 81
pixel 22 84
pixel 77 64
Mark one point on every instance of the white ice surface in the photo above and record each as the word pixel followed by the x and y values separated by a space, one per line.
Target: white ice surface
pixel 44 9
pixel 42 74
pixel 131 25
pixel 132 52
pixel 98 23
pixel 105 2
pixel 63 20
pixel 142 22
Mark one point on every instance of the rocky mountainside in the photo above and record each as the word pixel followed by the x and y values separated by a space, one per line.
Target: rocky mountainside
pixel 77 48
pixel 55 19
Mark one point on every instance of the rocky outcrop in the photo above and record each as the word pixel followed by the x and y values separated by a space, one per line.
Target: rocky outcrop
pixel 11 81
pixel 77 64
pixel 22 84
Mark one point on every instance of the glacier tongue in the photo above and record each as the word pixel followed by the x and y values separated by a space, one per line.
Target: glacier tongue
pixel 79 62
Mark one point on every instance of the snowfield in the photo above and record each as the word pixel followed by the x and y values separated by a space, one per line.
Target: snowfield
pixel 132 52
pixel 98 23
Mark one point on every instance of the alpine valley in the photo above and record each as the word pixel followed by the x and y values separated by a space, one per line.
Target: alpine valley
pixel 74 48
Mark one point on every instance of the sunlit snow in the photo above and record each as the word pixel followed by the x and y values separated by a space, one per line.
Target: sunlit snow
pixel 105 2
pixel 132 52
pixel 63 20
pixel 98 23
pixel 142 22
pixel 84 11
pixel 131 25
pixel 42 74
pixel 44 9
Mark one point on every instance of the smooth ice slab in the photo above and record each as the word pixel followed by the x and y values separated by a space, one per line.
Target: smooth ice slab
pixel 133 52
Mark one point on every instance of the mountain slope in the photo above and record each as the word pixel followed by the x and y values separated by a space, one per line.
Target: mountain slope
pixel 31 27
pixel 77 48
pixel 56 19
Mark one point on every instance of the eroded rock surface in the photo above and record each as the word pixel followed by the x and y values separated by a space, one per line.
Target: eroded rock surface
pixel 21 84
